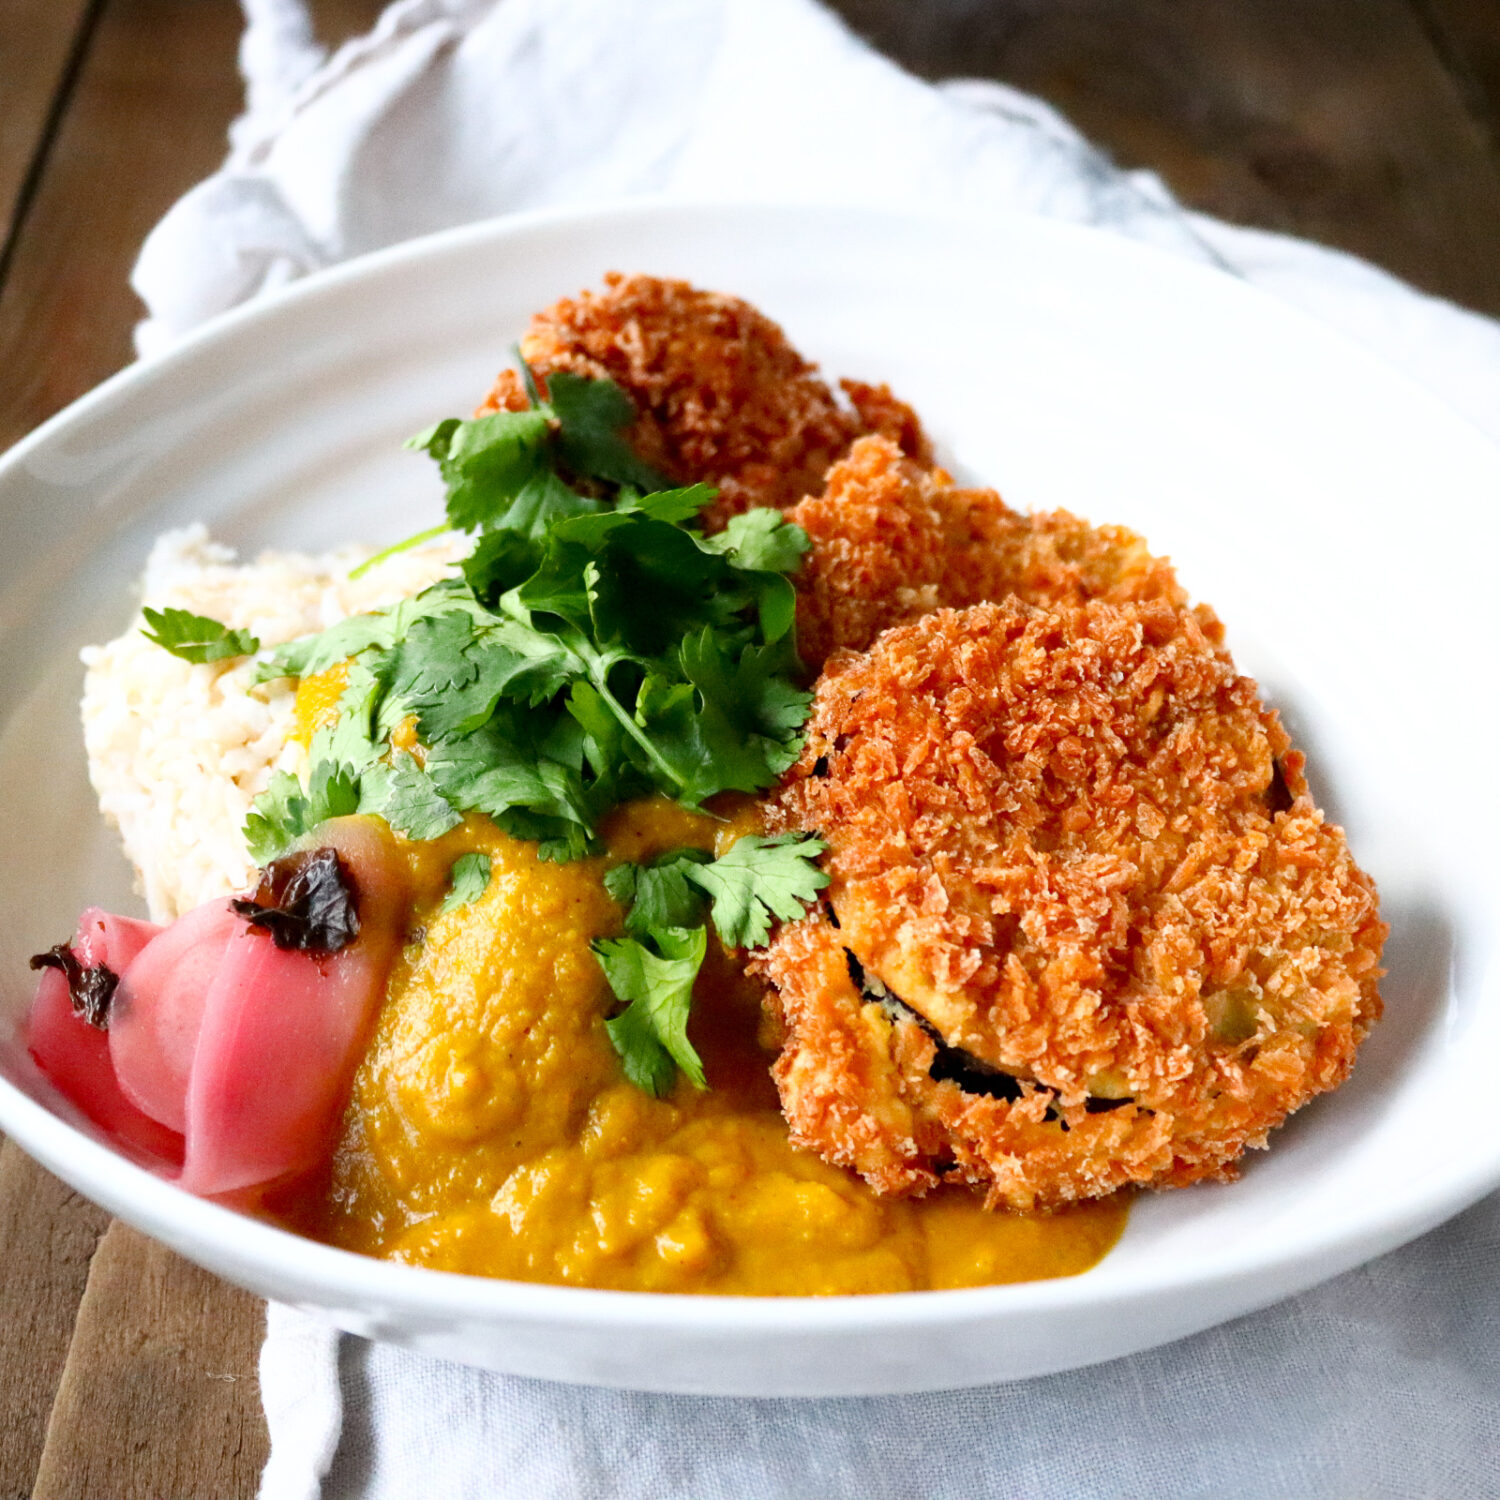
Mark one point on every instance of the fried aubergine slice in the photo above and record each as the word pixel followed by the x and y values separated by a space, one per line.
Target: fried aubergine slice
pixel 722 397
pixel 1085 927
pixel 893 540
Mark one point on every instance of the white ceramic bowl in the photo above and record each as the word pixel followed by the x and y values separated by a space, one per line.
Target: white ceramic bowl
pixel 1341 521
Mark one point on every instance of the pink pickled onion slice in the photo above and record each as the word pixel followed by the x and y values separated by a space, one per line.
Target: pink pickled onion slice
pixel 75 1055
pixel 158 1010
pixel 104 938
pixel 283 1032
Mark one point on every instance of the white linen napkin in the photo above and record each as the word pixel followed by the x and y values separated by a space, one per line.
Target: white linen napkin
pixel 1383 1383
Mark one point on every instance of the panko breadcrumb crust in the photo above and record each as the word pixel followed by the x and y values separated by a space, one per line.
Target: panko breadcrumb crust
pixel 723 398
pixel 893 540
pixel 1085 927
pixel 1073 861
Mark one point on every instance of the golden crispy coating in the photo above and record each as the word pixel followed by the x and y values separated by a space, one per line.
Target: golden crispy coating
pixel 1085 926
pixel 723 397
pixel 893 540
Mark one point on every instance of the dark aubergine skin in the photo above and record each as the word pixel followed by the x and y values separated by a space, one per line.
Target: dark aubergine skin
pixel 954 1064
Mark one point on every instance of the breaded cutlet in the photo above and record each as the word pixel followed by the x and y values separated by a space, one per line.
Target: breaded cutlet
pixel 721 395
pixel 1085 927
pixel 893 540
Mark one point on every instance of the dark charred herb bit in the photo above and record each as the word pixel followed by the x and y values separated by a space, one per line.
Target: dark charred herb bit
pixel 196 638
pixel 306 902
pixel 91 987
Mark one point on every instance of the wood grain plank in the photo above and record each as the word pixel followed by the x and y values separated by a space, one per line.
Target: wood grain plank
pixel 159 1396
pixel 37 42
pixel 335 21
pixel 1466 35
pixel 65 318
pixel 1333 119
pixel 47 1236
pixel 178 1364
pixel 66 309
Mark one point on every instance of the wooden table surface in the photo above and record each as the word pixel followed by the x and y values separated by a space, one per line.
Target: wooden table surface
pixel 1373 125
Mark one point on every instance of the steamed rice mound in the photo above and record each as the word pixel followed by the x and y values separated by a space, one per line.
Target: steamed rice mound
pixel 178 751
pixel 1085 926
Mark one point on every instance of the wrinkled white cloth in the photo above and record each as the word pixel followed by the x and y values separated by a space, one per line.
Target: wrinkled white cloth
pixel 1383 1383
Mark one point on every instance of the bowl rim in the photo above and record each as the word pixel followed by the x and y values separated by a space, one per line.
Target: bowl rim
pixel 325 1272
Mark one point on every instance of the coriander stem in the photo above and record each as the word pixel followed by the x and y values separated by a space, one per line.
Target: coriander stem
pixel 627 722
pixel 430 534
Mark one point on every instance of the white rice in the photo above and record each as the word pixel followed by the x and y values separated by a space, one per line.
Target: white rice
pixel 177 752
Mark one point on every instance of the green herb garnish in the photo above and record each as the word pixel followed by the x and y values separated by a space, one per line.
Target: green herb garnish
pixel 666 903
pixel 284 812
pixel 650 1034
pixel 597 648
pixel 467 881
pixel 196 638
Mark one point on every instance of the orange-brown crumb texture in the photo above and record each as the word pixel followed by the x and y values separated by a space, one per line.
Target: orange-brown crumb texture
pixel 1086 928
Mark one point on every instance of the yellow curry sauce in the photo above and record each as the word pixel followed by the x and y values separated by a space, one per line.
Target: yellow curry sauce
pixel 491 1130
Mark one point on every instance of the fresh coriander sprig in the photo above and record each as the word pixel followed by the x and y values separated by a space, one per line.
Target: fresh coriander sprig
pixel 598 646
pixel 468 880
pixel 666 902
pixel 196 638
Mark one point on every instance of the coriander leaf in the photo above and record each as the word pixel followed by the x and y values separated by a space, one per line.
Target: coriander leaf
pixel 381 629
pixel 468 879
pixel 674 506
pixel 277 817
pixel 556 842
pixel 761 540
pixel 333 792
pixel 646 1062
pixel 776 610
pixel 430 660
pixel 500 561
pixel 434 440
pixel 659 894
pixel 311 654
pixel 406 797
pixel 543 499
pixel 702 748
pixel 651 583
pixel 591 416
pixel 486 462
pixel 499 769
pixel 561 586
pixel 595 649
pixel 659 989
pixel 757 880
pixel 351 740
pixel 499 672
pixel 283 813
pixel 196 638
pixel 533 395
pixel 603 742
pixel 752 692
